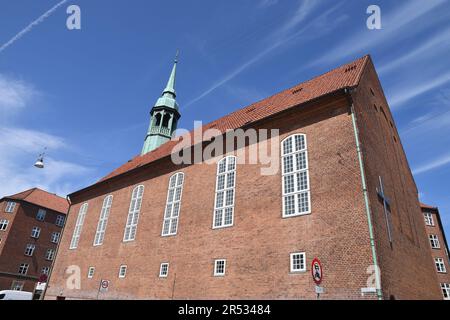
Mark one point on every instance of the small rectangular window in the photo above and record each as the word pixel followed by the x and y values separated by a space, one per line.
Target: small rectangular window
pixel 60 221
pixel 122 271
pixel 35 232
pixel 45 270
pixel 91 272
pixel 23 268
pixel 219 267
pixel 55 237
pixel 3 224
pixel 29 250
pixel 164 270
pixel 440 266
pixel 41 215
pixel 445 287
pixel 298 262
pixel 434 241
pixel 428 219
pixel 10 206
pixel 50 254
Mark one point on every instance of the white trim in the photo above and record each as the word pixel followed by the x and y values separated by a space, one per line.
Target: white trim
pixel 29 249
pixel 303 267
pixel 429 220
pixel 293 173
pixel 60 219
pixel 10 206
pixel 225 190
pixel 440 265
pixel 161 275
pixel 50 254
pixel 41 214
pixel 4 224
pixel 103 220
pixel 79 226
pixel 445 287
pixel 216 263
pixel 23 269
pixel 434 239
pixel 55 236
pixel 91 272
pixel 133 214
pixel 123 268
pixel 35 232
pixel 172 202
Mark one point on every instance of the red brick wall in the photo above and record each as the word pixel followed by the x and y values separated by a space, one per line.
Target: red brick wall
pixel 257 247
pixel 406 269
pixel 14 242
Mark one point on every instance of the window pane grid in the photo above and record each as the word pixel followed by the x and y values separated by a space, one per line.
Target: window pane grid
pixel 225 193
pixel 103 220
pixel 78 226
pixel 133 213
pixel 172 212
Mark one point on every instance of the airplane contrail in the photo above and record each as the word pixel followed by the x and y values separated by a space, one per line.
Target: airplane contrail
pixel 32 25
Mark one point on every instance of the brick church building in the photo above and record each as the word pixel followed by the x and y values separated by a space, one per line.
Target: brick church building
pixel 343 193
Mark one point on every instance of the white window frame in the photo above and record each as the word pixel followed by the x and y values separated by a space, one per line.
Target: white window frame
pixel 10 206
pixel 40 216
pixel 164 267
pixel 23 269
pixel 434 241
pixel 78 226
pixel 60 219
pixel 173 201
pixel 429 220
pixel 50 254
pixel 220 210
pixel 55 237
pixel 4 224
pixel 123 271
pixel 103 220
pixel 133 214
pixel 445 288
pixel 293 256
pixel 440 265
pixel 293 153
pixel 45 270
pixel 29 249
pixel 216 266
pixel 17 285
pixel 91 272
pixel 35 232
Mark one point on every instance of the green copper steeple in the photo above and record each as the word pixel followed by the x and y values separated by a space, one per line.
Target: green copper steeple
pixel 164 116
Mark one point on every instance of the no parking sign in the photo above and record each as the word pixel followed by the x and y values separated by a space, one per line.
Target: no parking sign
pixel 104 285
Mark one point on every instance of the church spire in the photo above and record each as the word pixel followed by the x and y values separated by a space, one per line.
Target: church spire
pixel 164 115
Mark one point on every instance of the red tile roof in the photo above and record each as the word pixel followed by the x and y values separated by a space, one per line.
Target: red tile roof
pixel 345 76
pixel 43 199
pixel 426 206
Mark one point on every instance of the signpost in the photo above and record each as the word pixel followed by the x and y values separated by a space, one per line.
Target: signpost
pixel 104 286
pixel 317 275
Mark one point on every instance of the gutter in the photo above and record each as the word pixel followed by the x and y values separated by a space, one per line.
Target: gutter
pixel 57 249
pixel 366 195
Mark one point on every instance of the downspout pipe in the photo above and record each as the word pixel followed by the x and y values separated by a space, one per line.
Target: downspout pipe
pixel 366 195
pixel 57 247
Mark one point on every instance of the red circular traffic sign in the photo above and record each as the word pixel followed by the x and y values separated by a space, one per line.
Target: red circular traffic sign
pixel 105 284
pixel 317 271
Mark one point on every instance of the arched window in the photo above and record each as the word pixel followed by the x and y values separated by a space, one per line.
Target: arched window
pixel 173 204
pixel 225 185
pixel 166 120
pixel 133 214
pixel 103 220
pixel 296 192
pixel 158 119
pixel 78 226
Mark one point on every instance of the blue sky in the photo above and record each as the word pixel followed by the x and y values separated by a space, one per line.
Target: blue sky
pixel 86 94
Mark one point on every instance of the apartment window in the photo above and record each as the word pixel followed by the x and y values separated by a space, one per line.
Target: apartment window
pixel 17 285
pixel 298 262
pixel 60 220
pixel 440 266
pixel 10 206
pixel 78 226
pixel 445 287
pixel 173 204
pixel 35 232
pixel 50 254
pixel 122 271
pixel 428 219
pixel 164 270
pixel 29 250
pixel 133 214
pixel 23 268
pixel 55 237
pixel 91 272
pixel 225 193
pixel 45 270
pixel 41 215
pixel 295 175
pixel 3 224
pixel 434 241
pixel 103 220
pixel 219 267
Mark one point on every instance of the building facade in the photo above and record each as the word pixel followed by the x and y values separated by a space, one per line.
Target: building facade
pixel 342 191
pixel 31 225
pixel 439 247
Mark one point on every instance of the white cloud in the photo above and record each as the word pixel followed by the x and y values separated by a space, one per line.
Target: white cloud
pixel 267 3
pixel 440 162
pixel 14 94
